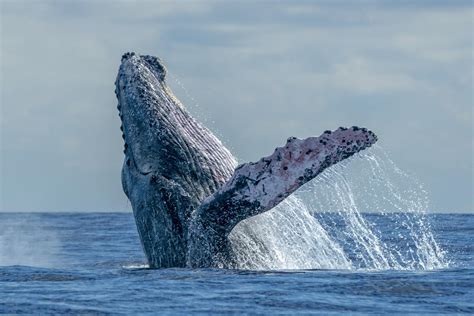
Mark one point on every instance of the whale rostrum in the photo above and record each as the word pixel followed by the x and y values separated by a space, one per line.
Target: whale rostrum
pixel 185 188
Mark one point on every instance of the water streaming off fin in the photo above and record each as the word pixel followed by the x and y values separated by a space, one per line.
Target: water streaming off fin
pixel 364 213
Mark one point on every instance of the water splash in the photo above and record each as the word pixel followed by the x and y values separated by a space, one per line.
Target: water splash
pixel 135 266
pixel 287 237
pixel 371 215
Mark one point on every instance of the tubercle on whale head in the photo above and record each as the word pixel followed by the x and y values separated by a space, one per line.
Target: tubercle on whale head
pixel 155 64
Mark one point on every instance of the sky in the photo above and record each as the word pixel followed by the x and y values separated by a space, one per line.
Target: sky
pixel 256 72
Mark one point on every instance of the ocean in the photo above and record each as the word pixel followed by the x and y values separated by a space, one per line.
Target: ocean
pixel 92 263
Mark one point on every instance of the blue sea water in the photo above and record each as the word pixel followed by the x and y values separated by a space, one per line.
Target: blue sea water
pixel 92 263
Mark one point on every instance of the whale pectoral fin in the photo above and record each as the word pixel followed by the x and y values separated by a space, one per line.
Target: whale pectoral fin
pixel 257 187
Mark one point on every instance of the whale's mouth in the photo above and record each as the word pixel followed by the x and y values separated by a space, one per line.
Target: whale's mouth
pixel 130 160
pixel 138 78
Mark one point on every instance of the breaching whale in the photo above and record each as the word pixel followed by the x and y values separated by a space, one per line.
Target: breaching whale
pixel 185 188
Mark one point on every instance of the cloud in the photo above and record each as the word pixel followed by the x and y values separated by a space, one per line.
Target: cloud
pixel 358 75
pixel 402 69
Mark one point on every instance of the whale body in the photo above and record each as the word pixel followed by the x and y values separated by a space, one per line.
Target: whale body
pixel 185 188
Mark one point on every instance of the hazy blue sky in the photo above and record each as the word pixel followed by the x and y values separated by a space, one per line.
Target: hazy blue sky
pixel 257 72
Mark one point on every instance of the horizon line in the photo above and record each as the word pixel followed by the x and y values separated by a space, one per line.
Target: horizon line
pixel 470 212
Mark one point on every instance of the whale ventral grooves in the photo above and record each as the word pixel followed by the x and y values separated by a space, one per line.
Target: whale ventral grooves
pixel 185 188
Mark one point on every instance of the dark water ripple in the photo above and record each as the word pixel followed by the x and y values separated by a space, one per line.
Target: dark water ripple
pixel 92 264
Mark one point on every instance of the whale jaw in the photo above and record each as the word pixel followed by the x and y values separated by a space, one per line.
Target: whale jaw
pixel 185 190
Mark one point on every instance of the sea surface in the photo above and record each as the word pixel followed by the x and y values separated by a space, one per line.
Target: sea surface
pixel 92 263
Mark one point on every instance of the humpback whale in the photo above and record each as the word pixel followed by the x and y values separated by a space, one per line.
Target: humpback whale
pixel 185 188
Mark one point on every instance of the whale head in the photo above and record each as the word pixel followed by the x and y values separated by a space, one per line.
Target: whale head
pixel 140 80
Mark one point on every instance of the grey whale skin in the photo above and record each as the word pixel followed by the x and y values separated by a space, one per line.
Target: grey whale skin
pixel 185 188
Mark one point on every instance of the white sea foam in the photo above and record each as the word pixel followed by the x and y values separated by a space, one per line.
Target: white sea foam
pixel 135 266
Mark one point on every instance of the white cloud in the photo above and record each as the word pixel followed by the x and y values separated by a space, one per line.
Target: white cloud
pixel 284 70
pixel 359 76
